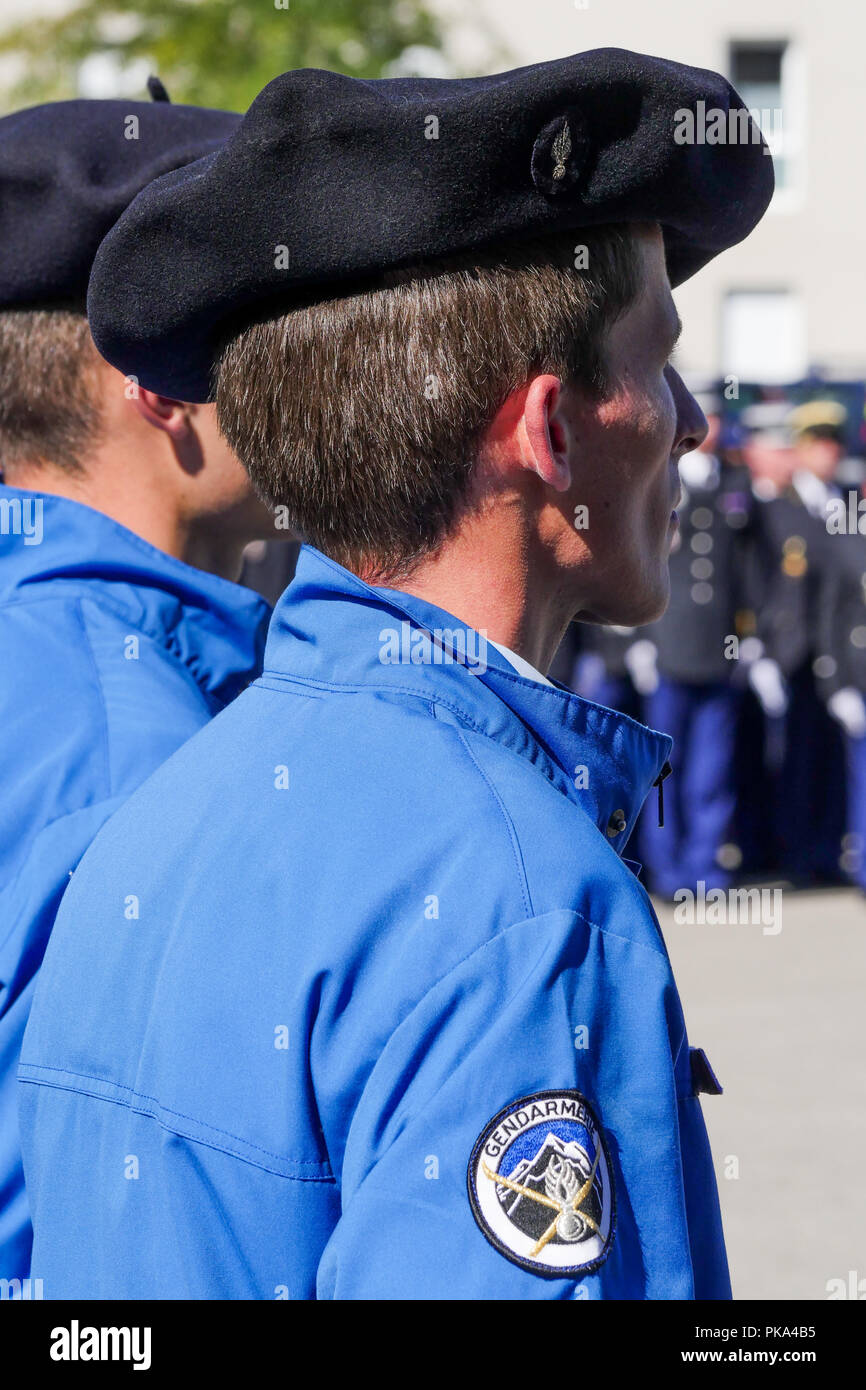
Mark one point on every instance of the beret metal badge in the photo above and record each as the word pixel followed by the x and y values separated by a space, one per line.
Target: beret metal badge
pixel 561 150
pixel 541 1185
pixel 559 154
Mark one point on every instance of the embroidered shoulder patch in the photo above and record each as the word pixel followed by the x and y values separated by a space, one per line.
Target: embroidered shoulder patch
pixel 541 1184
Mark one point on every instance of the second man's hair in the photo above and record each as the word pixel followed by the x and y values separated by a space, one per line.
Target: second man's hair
pixel 49 409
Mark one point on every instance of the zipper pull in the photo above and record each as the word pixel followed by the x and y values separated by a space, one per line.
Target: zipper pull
pixel 659 782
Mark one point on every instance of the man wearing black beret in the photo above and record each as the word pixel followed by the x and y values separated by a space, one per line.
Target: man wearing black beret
pixel 398 1020
pixel 123 514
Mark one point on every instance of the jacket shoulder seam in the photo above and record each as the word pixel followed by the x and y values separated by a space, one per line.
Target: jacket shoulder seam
pixel 509 825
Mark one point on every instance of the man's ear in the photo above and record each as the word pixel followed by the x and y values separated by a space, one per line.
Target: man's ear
pixel 544 433
pixel 162 412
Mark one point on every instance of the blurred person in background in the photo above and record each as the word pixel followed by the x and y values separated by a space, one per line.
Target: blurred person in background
pixel 803 753
pixel 688 664
pixel 840 663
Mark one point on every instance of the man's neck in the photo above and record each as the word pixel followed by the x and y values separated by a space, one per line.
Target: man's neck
pixel 142 510
pixel 487 580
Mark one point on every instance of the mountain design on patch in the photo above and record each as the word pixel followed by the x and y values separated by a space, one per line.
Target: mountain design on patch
pixel 570 1162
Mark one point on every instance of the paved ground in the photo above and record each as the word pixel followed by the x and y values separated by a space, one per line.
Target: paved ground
pixel 782 1019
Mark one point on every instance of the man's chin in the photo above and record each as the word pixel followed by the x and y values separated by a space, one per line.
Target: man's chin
pixel 644 605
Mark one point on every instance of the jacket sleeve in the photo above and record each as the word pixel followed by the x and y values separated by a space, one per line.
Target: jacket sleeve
pixel 519 1136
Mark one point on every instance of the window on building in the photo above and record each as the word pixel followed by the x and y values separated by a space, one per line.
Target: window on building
pixel 767 76
pixel 756 72
pixel 764 336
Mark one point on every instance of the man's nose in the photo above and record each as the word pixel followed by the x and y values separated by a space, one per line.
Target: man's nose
pixel 692 428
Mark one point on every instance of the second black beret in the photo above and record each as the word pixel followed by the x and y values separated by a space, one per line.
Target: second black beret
pixel 67 171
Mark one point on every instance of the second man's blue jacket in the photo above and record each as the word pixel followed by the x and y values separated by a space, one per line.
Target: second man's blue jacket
pixel 112 654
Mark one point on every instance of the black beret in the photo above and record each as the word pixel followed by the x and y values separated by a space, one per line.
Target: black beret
pixel 331 180
pixel 67 171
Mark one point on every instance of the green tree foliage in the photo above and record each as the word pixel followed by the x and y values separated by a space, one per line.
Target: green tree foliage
pixel 211 52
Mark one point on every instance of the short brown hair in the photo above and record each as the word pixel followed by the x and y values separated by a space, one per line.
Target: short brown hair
pixel 49 410
pixel 363 415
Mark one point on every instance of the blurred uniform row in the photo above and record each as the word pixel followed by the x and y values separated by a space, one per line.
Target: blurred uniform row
pixel 758 668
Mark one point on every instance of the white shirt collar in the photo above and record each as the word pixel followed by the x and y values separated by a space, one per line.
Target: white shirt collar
pixel 522 667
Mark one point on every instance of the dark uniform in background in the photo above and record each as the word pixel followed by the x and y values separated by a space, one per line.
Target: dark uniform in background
pixel 681 674
pixel 761 740
pixel 840 662
pixel 842 639
pixel 698 691
pixel 803 750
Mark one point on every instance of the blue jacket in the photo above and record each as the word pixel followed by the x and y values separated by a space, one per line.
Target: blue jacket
pixel 394 1019
pixel 113 654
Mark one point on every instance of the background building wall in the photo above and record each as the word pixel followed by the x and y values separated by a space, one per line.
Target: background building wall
pixel 791 297
pixel 812 243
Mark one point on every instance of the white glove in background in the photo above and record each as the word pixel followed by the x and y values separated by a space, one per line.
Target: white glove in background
pixel 768 683
pixel 848 708
pixel 640 662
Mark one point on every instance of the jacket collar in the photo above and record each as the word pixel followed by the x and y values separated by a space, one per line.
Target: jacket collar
pixel 51 545
pixel 333 630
